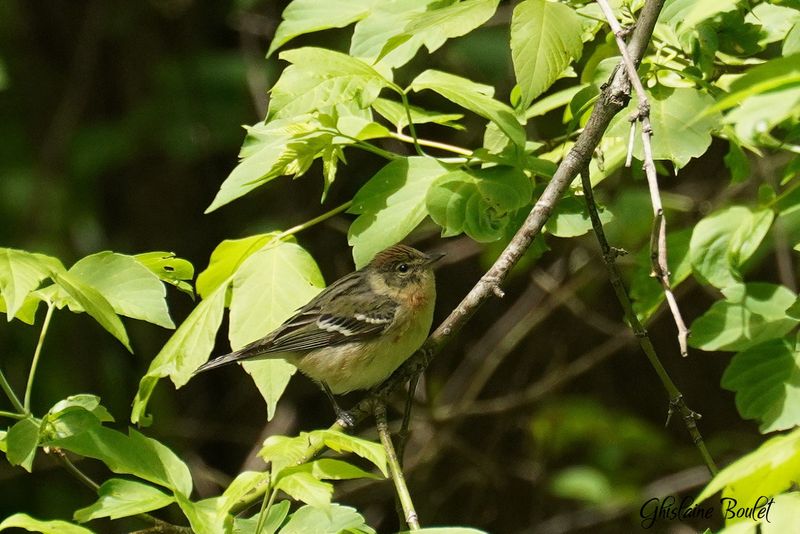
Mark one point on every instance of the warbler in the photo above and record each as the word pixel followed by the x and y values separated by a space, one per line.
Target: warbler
pixel 358 330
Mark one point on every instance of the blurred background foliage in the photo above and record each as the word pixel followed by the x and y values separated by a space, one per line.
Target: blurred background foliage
pixel 118 123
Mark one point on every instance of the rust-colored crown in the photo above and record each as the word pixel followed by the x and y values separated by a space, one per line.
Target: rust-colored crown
pixel 394 254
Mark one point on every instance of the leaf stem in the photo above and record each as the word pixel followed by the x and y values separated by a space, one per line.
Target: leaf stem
pixel 12 415
pixel 316 220
pixel 410 514
pixel 36 354
pixel 411 127
pixel 433 144
pixel 10 394
pixel 265 507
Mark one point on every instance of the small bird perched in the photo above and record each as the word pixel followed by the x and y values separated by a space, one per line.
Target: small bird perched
pixel 359 329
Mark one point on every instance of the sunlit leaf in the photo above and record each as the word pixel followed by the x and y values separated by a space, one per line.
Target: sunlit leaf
pixel 545 39
pixel 479 203
pixel 266 289
pixel 765 378
pixel 21 441
pixel 752 313
pixel 187 349
pixel 133 454
pixel 390 205
pixel 123 498
pixel 474 97
pixel 20 273
pixel 31 524
pixel 94 303
pixel 132 290
pixel 334 519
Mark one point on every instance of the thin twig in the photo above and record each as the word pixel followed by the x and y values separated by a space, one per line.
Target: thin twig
pixel 10 394
pixel 36 353
pixel 658 254
pixel 405 431
pixel 409 513
pixel 676 402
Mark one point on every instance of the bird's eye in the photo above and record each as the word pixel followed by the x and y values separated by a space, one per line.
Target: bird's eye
pixel 403 268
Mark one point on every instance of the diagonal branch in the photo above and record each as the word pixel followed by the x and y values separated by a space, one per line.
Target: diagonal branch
pixel 658 245
pixel 676 402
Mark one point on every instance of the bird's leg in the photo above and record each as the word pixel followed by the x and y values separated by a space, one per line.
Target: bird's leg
pixel 345 417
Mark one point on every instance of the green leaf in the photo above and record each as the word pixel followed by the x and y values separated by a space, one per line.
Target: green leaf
pixel 132 290
pixel 20 273
pixel 123 498
pixel 395 113
pixel 554 101
pixel 276 148
pixel 205 516
pixel 307 16
pixel 226 259
pixel 759 114
pixel 474 97
pixel 770 469
pixel 187 349
pixel 385 22
pixel 134 454
pixel 765 378
pixel 570 218
pixel 479 203
pixel 74 415
pixel 30 524
pixel 94 303
pixel 3 442
pixel 724 240
pixel 268 287
pixel 282 451
pixel 275 517
pixel 446 530
pixel 334 519
pixel 302 486
pixel 545 39
pixel 737 162
pixel 329 469
pixel 752 313
pixel 170 269
pixel 784 514
pixel 438 23
pixel 774 74
pixel 369 450
pixel 319 79
pixel 244 483
pixel 390 205
pixel 680 129
pixel 791 45
pixel 775 20
pixel 21 442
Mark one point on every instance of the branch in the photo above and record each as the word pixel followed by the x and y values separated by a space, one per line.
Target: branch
pixel 676 402
pixel 409 513
pixel 658 245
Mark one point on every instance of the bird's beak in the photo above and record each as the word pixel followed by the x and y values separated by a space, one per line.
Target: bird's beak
pixel 433 257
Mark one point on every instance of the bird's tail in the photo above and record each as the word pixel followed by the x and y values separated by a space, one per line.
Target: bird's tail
pixel 220 361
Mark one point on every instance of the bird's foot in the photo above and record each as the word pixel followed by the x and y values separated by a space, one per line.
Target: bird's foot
pixel 345 418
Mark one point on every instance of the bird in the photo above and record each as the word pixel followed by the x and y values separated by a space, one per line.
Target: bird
pixel 357 331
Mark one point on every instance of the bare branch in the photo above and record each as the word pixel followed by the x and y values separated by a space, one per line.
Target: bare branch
pixel 676 401
pixel 659 251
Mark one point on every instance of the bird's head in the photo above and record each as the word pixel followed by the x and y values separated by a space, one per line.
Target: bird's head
pixel 401 266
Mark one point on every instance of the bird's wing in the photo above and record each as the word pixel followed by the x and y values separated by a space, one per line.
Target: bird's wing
pixel 343 312
pixel 319 327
